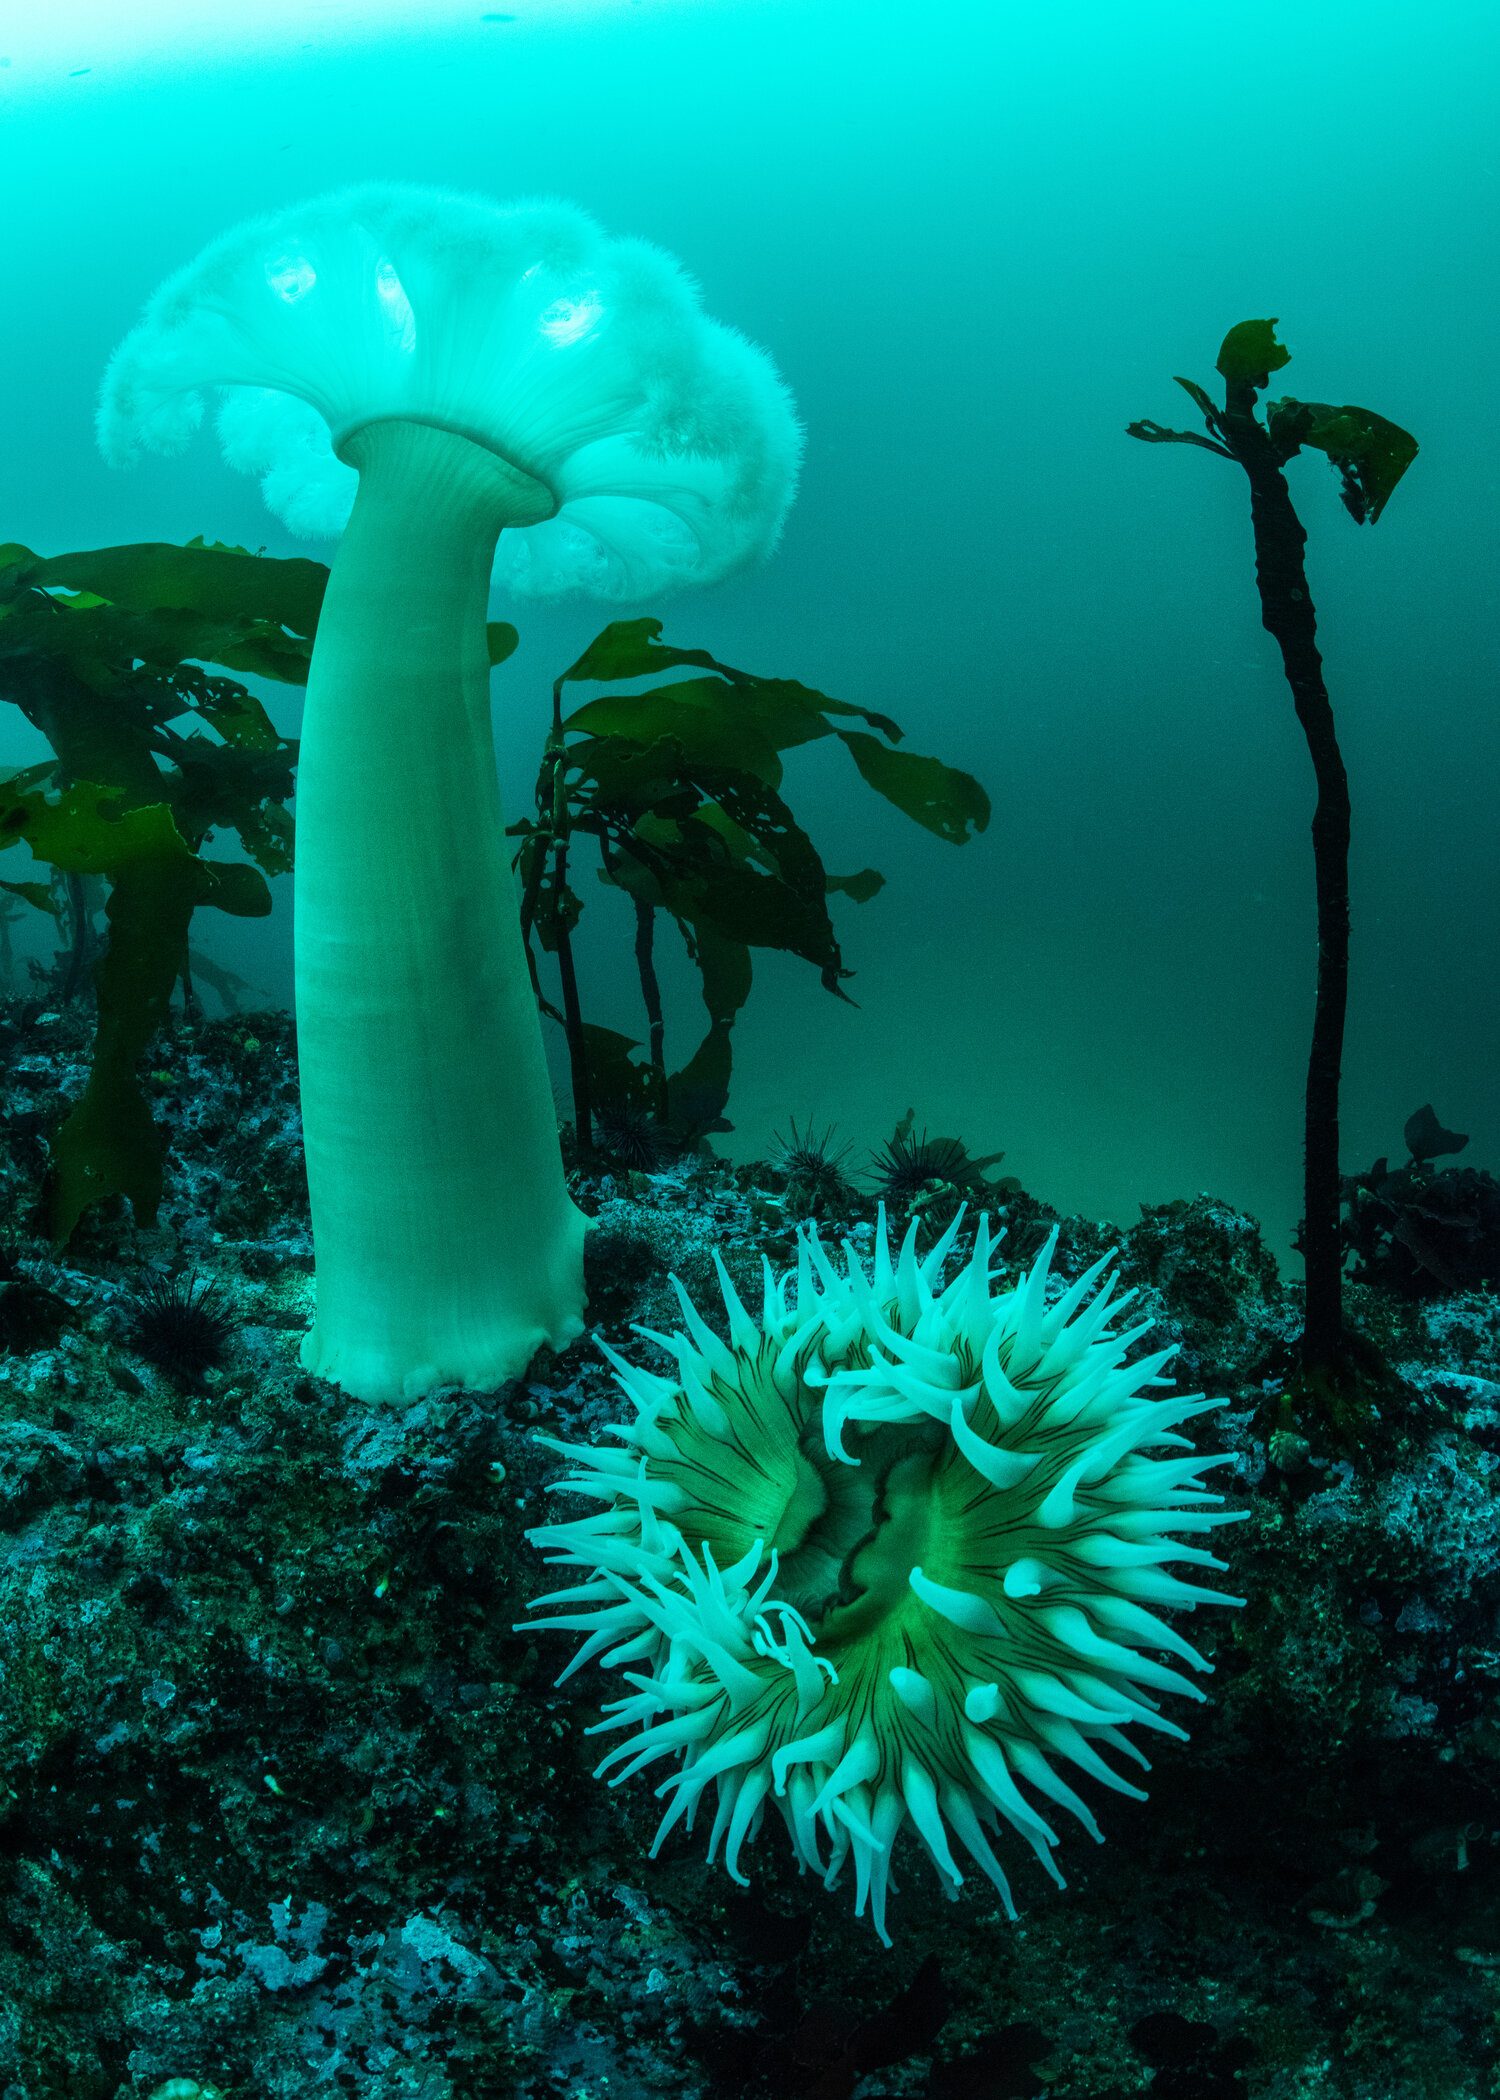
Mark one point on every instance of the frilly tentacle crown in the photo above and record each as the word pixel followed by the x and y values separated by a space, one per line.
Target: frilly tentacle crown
pixel 652 447
pixel 894 1552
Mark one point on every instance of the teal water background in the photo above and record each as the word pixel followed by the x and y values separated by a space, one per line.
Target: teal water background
pixel 978 239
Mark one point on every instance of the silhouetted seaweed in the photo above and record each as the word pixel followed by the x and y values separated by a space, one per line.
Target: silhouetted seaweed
pixel 103 652
pixel 1418 1230
pixel 679 787
pixel 1371 455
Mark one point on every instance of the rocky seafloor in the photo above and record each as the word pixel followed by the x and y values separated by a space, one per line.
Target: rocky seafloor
pixel 287 1807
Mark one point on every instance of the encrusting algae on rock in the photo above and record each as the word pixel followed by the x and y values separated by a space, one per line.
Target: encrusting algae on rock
pixel 266 1579
pixel 889 1553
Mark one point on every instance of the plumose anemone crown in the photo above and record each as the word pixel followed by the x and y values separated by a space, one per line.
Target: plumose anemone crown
pixel 893 1552
pixel 650 446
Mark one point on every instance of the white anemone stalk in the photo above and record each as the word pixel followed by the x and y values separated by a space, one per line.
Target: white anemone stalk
pixel 432 375
pixel 892 1553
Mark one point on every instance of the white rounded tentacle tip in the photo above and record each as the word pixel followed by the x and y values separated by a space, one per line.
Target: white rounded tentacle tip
pixel 883 1326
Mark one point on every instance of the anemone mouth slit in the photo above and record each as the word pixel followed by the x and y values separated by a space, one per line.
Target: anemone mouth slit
pixel 928 1571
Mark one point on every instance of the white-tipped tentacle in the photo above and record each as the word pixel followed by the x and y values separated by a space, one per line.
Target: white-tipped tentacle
pixel 1041 1621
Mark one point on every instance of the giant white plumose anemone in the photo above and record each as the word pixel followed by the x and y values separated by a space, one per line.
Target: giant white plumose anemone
pixel 893 1552
pixel 461 373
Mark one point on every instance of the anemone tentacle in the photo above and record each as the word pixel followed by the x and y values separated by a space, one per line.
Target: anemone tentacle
pixel 890 1555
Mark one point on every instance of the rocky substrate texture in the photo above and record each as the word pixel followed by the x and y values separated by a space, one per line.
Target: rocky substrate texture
pixel 288 1808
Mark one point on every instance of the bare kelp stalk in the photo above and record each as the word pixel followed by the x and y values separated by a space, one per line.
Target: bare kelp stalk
pixel 1371 456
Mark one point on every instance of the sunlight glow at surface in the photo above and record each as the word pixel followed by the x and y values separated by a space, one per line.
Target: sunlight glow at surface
pixel 69 45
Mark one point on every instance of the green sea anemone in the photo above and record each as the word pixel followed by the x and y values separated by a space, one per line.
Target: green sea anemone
pixel 894 1552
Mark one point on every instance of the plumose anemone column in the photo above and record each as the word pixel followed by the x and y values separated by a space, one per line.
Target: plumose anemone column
pixel 466 392
pixel 405 962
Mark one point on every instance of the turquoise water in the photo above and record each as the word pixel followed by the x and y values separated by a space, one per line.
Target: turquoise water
pixel 978 241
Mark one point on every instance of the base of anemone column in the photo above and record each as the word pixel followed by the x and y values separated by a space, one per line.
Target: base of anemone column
pixel 448 1251
pixel 485 1344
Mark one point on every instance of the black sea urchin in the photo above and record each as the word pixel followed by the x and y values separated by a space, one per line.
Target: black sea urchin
pixel 905 1165
pixel 179 1323
pixel 628 1136
pixel 813 1167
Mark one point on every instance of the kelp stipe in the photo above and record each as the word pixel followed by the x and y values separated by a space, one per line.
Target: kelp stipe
pixel 680 788
pixel 1371 456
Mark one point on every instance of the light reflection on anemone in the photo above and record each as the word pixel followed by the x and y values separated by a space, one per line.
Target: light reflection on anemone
pixel 568 321
pixel 395 305
pixel 291 277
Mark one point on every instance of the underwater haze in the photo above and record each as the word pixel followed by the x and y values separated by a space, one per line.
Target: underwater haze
pixel 978 240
